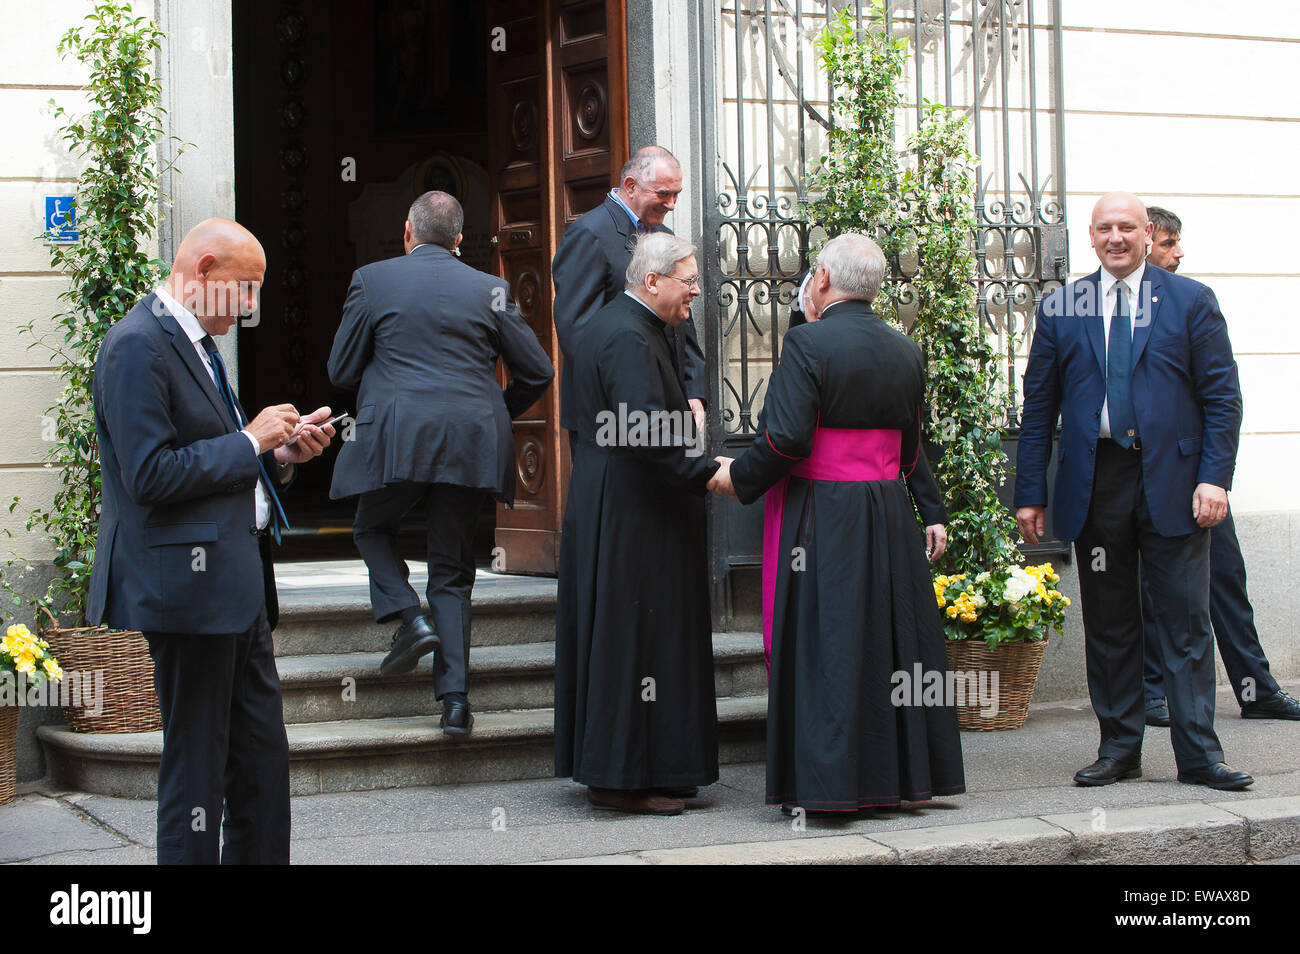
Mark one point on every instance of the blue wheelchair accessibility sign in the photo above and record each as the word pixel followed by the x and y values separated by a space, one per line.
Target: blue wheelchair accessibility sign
pixel 60 219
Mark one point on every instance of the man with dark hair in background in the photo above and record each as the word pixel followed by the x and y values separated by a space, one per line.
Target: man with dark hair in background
pixel 591 263
pixel 420 338
pixel 1257 692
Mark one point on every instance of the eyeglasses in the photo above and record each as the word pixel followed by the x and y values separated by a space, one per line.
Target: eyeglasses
pixel 692 282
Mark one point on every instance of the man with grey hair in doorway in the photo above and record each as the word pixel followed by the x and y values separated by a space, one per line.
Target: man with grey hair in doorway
pixel 591 262
pixel 840 426
pixel 420 339
pixel 635 715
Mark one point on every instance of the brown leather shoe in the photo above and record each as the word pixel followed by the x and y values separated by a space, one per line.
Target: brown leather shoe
pixel 634 801
pixel 684 792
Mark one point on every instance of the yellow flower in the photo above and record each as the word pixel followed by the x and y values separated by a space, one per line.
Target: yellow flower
pixel 1065 600
pixel 19 630
pixel 25 663
pixel 53 669
pixel 952 611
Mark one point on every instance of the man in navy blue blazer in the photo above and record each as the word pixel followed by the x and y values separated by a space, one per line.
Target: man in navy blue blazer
pixel 1137 364
pixel 190 504
pixel 1231 613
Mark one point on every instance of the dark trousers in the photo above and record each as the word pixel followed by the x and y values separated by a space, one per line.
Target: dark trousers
pixel 450 512
pixel 1233 619
pixel 223 742
pixel 1117 538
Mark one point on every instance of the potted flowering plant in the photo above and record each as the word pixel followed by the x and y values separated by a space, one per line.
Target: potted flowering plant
pixel 998 621
pixel 109 267
pixel 24 658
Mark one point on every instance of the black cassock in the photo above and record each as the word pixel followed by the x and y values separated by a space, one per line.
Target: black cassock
pixel 634 699
pixel 860 606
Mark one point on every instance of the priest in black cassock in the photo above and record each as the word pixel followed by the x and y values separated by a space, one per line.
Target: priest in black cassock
pixel 635 715
pixel 848 598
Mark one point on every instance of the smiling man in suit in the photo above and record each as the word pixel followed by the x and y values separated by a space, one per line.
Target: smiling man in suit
pixel 591 264
pixel 1137 364
pixel 183 553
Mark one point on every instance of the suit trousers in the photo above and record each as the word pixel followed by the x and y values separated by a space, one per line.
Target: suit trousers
pixel 1233 619
pixel 223 742
pixel 451 512
pixel 1117 538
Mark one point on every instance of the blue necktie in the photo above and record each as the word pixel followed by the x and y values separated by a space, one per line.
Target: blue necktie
pixel 278 519
pixel 1119 373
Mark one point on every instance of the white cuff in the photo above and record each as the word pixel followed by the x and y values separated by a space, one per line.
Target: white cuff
pixel 257 448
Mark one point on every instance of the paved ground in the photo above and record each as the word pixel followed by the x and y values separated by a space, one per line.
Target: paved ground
pixel 1021 805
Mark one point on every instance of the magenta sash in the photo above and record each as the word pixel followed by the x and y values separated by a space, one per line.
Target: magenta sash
pixel 838 454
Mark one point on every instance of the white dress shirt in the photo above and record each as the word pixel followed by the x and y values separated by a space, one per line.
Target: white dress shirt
pixel 1108 300
pixel 194 331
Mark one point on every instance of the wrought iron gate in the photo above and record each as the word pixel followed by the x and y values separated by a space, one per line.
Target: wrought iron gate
pixel 996 60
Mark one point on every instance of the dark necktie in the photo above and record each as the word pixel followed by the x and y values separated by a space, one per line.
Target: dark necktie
pixel 1119 372
pixel 278 519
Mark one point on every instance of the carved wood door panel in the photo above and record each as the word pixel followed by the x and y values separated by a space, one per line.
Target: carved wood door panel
pixel 558 117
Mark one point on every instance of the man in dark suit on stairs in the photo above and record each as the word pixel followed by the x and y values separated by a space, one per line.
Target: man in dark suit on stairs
pixel 1137 364
pixel 184 554
pixel 420 338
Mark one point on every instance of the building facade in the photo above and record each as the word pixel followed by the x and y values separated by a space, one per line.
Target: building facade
pixel 316 124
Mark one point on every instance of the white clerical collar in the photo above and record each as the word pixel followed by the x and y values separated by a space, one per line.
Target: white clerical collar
pixel 1132 281
pixel 637 299
pixel 184 317
pixel 841 301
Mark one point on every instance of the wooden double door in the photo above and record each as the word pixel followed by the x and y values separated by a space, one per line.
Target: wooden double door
pixel 558 114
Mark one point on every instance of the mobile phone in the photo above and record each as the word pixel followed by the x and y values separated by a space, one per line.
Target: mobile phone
pixel 332 420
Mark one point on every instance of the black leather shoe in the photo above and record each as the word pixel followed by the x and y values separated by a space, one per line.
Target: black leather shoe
pixel 1158 714
pixel 456 718
pixel 410 642
pixel 1217 776
pixel 1280 706
pixel 1105 771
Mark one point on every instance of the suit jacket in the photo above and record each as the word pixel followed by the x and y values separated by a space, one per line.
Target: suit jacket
pixel 420 338
pixel 1185 394
pixel 590 269
pixel 177 550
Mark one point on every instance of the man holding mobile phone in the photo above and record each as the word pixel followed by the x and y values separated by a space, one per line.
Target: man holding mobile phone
pixel 191 506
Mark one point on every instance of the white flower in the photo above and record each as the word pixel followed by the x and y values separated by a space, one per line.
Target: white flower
pixel 1019 585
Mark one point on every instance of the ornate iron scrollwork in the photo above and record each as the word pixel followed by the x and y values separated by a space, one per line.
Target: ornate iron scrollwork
pixel 772 105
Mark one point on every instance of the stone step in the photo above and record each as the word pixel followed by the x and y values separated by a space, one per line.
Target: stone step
pixel 325 609
pixel 338 686
pixel 367 754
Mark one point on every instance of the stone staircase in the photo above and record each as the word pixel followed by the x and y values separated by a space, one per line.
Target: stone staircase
pixel 352 729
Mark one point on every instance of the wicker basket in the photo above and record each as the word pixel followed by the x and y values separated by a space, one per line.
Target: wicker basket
pixel 8 752
pixel 1017 667
pixel 129 703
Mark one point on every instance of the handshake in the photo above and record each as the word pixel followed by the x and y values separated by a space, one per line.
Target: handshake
pixel 720 482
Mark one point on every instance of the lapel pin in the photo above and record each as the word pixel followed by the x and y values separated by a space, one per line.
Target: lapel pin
pixel 1154 299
